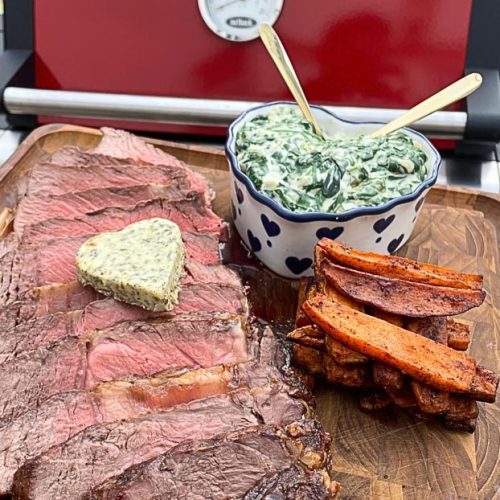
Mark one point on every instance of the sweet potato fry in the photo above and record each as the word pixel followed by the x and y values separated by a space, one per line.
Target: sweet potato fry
pixel 305 285
pixel 401 297
pixel 357 376
pixel 377 400
pixel 309 336
pixel 403 397
pixel 426 361
pixel 430 328
pixel 484 385
pixel 383 375
pixel 459 334
pixel 430 400
pixel 308 358
pixel 462 414
pixel 399 267
pixel 342 354
pixel 387 377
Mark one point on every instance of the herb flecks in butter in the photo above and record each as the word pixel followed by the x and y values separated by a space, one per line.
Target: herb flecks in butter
pixel 142 264
pixel 288 162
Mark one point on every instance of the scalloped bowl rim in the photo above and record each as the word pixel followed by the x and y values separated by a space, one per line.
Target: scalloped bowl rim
pixel 320 216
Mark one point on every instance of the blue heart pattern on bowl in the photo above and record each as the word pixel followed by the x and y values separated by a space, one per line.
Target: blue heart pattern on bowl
pixel 239 193
pixel 394 244
pixel 382 224
pixel 331 233
pixel 272 229
pixel 298 266
pixel 255 243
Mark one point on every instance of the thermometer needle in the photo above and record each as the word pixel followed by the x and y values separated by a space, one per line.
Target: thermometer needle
pixel 224 5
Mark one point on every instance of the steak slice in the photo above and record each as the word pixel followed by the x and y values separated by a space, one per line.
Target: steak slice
pixel 295 482
pixel 28 380
pixel 26 326
pixel 147 347
pixel 53 262
pixel 227 466
pixel 122 144
pixel 46 425
pixel 51 179
pixel 72 469
pixel 35 209
pixel 190 215
pixel 129 348
pixel 63 415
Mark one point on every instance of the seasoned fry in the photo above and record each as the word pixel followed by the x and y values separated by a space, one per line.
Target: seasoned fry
pixel 387 377
pixel 406 298
pixel 305 286
pixel 399 267
pixel 484 385
pixel 383 375
pixel 342 354
pixel 377 400
pixel 462 414
pixel 430 400
pixel 403 397
pixel 357 376
pixel 308 358
pixel 459 334
pixel 430 328
pixel 309 336
pixel 428 362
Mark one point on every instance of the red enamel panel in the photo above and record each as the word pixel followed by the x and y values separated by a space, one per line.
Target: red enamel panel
pixel 383 53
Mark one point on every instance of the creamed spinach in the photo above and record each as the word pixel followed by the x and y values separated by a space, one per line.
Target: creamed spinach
pixel 288 162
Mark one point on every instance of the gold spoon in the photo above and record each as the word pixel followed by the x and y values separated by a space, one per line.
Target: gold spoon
pixel 277 52
pixel 454 92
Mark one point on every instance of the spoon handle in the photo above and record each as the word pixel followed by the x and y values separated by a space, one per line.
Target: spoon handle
pixel 284 65
pixel 456 91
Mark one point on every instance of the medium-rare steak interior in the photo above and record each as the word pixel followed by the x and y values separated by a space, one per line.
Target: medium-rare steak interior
pixel 98 395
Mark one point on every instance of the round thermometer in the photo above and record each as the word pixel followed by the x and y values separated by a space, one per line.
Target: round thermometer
pixel 238 20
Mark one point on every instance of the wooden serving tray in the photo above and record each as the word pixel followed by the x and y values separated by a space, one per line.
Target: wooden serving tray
pixel 390 455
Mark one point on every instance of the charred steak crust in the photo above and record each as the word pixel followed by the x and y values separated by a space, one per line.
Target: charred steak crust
pixel 228 465
pixel 71 470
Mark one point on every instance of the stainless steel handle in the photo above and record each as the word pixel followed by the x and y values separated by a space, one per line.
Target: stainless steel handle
pixel 217 112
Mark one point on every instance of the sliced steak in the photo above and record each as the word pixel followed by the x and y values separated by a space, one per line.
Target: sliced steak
pixel 73 156
pixel 130 348
pixel 27 381
pixel 63 415
pixel 227 466
pixel 121 144
pixel 53 262
pixel 191 216
pixel 50 179
pixel 20 336
pixel 148 347
pixel 295 483
pixel 35 209
pixel 71 470
pixel 25 326
pixel 46 425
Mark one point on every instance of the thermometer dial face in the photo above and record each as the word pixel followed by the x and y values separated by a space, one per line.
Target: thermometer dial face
pixel 238 20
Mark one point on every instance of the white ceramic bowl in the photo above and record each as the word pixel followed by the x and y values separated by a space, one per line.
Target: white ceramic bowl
pixel 284 240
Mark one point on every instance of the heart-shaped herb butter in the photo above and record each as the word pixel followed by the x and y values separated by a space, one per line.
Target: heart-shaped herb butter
pixel 142 264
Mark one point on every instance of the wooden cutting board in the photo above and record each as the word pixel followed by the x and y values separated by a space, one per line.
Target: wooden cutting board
pixel 392 455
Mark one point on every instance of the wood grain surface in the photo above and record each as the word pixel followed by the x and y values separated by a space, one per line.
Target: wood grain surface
pixel 391 455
